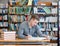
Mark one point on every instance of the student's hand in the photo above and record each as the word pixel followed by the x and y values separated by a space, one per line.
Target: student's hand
pixel 47 37
pixel 29 36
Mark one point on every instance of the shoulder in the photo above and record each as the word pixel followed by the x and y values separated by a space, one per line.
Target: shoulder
pixel 24 23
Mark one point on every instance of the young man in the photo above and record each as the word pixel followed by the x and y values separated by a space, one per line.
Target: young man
pixel 30 28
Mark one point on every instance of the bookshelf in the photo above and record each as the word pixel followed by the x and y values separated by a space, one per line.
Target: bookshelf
pixel 19 11
pixel 47 11
pixel 4 16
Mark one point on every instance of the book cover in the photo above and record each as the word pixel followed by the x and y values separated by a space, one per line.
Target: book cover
pixel 47 10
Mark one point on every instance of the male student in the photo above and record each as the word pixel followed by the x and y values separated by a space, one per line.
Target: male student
pixel 30 28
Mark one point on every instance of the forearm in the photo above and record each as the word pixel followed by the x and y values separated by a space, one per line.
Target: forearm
pixel 21 36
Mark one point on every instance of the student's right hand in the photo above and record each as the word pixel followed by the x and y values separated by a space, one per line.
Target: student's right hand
pixel 29 36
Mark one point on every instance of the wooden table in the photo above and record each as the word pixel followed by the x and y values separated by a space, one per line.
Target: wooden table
pixel 26 45
pixel 22 41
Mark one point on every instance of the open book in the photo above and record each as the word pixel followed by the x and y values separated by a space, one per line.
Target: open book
pixel 37 38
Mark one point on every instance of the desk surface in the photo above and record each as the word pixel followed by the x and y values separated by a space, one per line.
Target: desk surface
pixel 24 40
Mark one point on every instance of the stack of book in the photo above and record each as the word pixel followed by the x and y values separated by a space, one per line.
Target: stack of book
pixel 1 34
pixel 10 35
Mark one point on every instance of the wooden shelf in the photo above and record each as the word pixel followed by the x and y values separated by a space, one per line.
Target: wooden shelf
pixel 16 14
pixel 4 20
pixel 14 22
pixel 3 27
pixel 3 13
pixel 20 5
pixel 45 6
pixel 3 8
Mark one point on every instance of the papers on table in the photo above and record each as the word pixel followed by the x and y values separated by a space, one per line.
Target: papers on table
pixel 37 38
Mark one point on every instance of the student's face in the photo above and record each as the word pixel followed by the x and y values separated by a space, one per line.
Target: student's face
pixel 34 22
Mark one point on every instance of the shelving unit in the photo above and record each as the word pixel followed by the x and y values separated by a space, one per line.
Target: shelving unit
pixel 4 16
pixel 47 11
pixel 19 11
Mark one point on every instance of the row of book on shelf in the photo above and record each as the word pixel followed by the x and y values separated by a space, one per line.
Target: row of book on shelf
pixel 21 18
pixel 45 10
pixel 37 10
pixel 3 5
pixel 13 26
pixel 30 2
pixel 20 2
pixel 48 19
pixel 3 24
pixel 19 10
pixel 3 10
pixel 18 18
pixel 39 2
pixel 3 17
pixel 48 26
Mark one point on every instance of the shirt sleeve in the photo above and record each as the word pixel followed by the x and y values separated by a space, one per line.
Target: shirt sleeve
pixel 39 32
pixel 20 32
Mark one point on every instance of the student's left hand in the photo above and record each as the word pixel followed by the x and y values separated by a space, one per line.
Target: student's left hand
pixel 47 37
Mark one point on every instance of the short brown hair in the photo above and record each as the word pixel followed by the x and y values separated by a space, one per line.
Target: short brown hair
pixel 35 17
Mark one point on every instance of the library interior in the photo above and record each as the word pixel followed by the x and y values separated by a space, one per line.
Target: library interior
pixel 29 22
